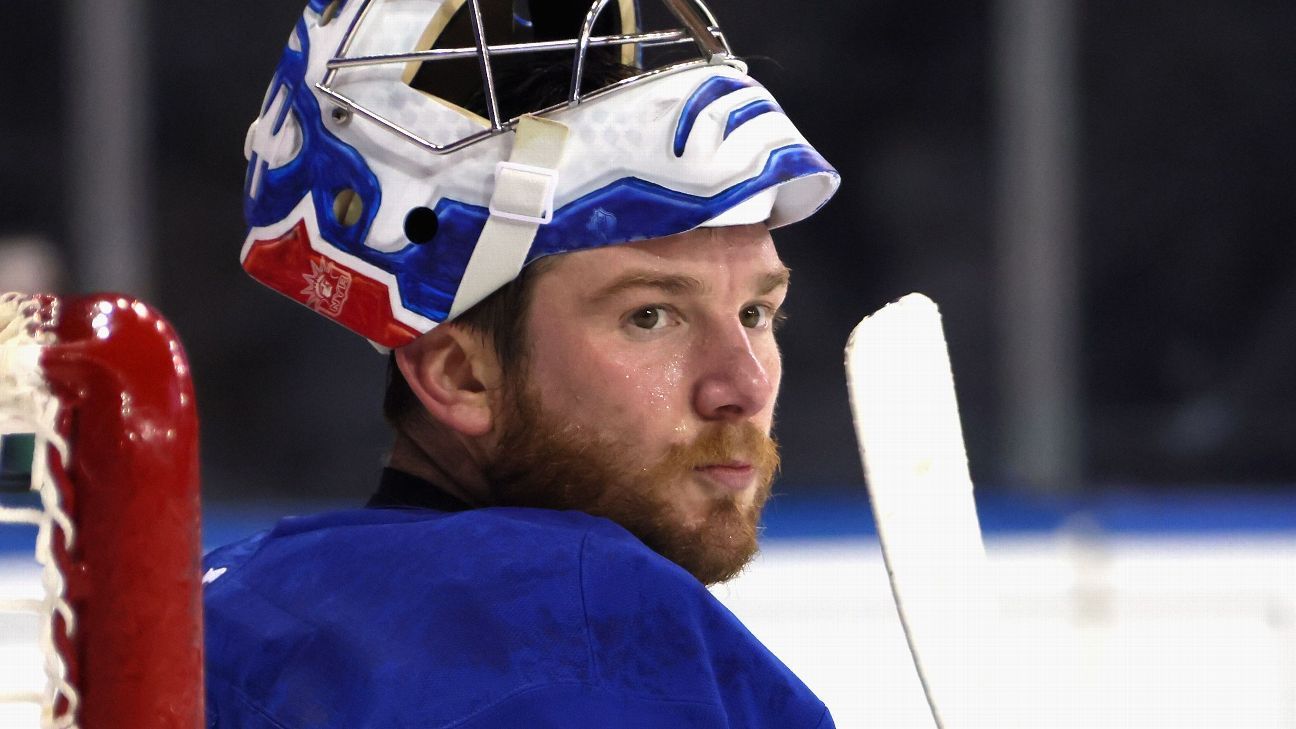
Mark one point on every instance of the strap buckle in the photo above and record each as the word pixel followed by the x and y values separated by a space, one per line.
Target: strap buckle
pixel 524 192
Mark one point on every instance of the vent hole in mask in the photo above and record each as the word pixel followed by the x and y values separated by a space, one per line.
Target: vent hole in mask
pixel 348 207
pixel 330 12
pixel 421 225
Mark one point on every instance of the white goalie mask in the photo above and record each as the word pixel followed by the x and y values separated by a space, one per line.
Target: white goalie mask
pixel 396 177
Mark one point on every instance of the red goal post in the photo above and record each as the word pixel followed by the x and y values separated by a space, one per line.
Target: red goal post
pixel 104 384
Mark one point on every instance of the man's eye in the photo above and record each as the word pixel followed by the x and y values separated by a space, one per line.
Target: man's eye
pixel 650 317
pixel 756 316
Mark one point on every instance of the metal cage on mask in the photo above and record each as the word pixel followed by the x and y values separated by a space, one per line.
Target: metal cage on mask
pixel 700 28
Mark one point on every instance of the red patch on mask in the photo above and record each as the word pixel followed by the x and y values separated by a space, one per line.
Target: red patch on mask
pixel 288 265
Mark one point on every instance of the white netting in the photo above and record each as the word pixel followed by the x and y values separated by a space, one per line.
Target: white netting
pixel 26 406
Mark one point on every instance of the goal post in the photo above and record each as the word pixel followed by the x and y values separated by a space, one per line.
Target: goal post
pixel 103 383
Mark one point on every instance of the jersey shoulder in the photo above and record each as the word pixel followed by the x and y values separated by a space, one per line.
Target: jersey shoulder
pixel 353 615
pixel 362 616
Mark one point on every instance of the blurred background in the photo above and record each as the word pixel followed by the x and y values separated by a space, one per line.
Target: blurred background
pixel 1101 196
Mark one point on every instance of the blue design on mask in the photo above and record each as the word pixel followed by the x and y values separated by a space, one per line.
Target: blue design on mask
pixel 632 209
pixel 626 210
pixel 324 166
pixel 706 93
pixel 427 276
pixel 747 112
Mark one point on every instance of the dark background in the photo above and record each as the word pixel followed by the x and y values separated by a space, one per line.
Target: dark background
pixel 1185 112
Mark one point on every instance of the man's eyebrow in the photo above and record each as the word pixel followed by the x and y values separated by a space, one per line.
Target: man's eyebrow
pixel 773 280
pixel 667 283
pixel 679 284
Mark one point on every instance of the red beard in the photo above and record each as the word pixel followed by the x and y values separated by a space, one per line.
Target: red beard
pixel 542 461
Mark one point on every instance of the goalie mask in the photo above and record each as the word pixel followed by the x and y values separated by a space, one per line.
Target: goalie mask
pixel 398 175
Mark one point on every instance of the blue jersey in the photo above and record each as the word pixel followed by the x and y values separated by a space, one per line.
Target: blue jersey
pixel 495 618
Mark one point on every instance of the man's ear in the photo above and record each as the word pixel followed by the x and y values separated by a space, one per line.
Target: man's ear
pixel 453 372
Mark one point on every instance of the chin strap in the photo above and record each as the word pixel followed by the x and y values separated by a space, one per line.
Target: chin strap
pixel 523 201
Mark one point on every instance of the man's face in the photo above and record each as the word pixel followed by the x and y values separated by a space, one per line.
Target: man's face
pixel 648 392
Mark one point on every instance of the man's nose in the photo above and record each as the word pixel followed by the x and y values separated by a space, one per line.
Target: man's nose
pixel 735 384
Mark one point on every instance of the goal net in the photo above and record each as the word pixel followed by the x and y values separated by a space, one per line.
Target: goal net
pixel 95 392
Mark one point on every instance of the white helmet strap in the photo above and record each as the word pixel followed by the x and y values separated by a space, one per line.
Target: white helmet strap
pixel 521 203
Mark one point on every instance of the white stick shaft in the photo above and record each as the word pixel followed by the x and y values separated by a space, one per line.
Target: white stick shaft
pixel 911 443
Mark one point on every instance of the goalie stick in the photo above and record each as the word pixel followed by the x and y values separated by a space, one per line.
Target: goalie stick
pixel 906 419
